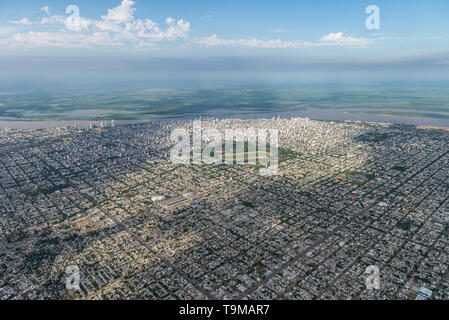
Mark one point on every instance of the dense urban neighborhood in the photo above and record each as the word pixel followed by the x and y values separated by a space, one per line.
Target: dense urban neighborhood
pixel 108 200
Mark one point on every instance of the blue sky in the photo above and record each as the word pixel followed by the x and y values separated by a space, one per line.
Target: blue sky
pixel 407 28
pixel 414 34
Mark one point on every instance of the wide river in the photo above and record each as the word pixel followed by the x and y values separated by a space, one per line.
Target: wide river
pixel 339 114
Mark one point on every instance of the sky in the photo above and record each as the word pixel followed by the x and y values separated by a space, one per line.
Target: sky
pixel 209 36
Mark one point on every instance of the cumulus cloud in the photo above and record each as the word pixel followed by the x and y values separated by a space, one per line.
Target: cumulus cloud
pixel 121 21
pixel 121 14
pixel 175 30
pixel 117 27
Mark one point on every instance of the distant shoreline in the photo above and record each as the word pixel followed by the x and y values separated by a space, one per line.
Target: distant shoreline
pixel 338 114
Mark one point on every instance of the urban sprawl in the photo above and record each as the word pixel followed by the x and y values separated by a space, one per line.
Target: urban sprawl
pixel 108 200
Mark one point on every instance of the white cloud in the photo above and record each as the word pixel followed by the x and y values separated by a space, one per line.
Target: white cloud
pixel 339 39
pixel 121 21
pixel 180 29
pixel 23 21
pixel 273 43
pixel 61 39
pixel 332 39
pixel 119 27
pixel 215 41
pixel 169 20
pixel 116 16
